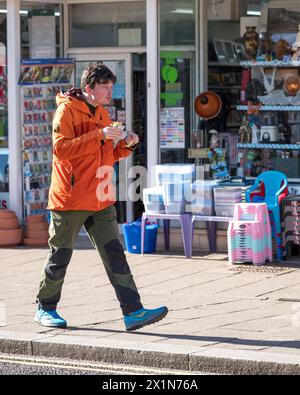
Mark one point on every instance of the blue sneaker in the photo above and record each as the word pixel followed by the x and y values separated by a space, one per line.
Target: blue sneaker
pixel 49 318
pixel 143 317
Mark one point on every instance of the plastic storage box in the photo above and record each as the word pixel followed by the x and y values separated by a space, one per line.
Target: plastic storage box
pixel 225 199
pixel 202 197
pixel 170 173
pixel 176 195
pixel 153 200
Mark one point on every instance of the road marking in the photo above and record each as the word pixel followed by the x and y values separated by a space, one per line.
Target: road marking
pixel 88 366
pixel 56 366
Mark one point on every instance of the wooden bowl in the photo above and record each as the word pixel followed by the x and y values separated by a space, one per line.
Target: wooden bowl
pixel 35 218
pixel 9 223
pixel 10 237
pixel 37 226
pixel 208 105
pixel 36 234
pixel 35 242
pixel 6 214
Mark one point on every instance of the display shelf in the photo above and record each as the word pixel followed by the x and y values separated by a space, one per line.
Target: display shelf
pixel 37 144
pixel 219 64
pixel 267 156
pixel 37 111
pixel 269 108
pixel 270 146
pixel 224 87
pixel 233 125
pixel 273 63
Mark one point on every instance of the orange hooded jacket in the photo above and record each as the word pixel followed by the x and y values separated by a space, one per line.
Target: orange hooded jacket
pixel 82 159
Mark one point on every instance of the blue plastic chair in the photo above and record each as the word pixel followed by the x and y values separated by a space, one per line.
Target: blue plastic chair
pixel 275 183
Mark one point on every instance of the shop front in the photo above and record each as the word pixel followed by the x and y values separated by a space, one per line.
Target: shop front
pixel 156 64
pixel 166 53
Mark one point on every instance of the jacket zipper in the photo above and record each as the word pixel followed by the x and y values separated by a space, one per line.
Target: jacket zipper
pixel 99 160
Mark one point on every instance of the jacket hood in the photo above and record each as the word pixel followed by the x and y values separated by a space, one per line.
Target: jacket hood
pixel 73 96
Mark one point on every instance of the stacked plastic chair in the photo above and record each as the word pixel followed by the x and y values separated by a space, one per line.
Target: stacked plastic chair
pixel 291 222
pixel 273 189
pixel 249 234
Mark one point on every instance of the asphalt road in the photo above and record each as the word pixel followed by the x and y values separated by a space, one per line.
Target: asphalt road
pixel 26 365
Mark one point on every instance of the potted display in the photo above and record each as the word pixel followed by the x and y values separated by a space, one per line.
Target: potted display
pixel 36 231
pixel 10 231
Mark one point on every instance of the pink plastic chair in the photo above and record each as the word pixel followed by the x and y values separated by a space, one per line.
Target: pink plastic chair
pixel 249 234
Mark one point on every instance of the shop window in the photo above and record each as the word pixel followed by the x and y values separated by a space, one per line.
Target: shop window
pixel 108 24
pixel 177 78
pixel 36 19
pixel 177 22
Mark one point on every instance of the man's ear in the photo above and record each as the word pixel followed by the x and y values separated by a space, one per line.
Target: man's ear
pixel 88 89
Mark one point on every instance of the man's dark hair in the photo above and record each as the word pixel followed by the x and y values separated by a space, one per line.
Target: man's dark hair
pixel 97 74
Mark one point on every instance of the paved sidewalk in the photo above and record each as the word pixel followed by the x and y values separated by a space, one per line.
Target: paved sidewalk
pixel 238 319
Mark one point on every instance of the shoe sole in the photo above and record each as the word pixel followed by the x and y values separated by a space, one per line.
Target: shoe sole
pixel 155 319
pixel 50 325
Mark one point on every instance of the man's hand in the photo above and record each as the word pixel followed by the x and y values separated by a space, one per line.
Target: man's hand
pixel 132 139
pixel 112 133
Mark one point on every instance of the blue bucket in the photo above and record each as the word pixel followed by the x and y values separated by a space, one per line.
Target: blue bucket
pixel 132 236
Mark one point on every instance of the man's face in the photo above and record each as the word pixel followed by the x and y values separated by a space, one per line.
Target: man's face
pixel 101 94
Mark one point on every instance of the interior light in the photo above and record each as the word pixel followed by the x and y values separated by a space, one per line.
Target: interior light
pixel 253 13
pixel 22 12
pixel 182 11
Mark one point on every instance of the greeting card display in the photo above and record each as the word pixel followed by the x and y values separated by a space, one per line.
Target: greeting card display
pixel 38 107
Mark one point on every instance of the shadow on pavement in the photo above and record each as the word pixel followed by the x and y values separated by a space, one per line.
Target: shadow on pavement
pixel 213 339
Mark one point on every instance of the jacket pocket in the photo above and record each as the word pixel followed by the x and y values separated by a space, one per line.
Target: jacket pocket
pixel 64 178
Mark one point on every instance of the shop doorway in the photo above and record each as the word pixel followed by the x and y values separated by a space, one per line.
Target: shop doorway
pixel 128 107
pixel 139 117
pixel 177 115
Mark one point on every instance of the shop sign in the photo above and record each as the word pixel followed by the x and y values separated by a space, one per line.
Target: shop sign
pixel 4 201
pixel 3 181
pixel 46 71
pixel 169 73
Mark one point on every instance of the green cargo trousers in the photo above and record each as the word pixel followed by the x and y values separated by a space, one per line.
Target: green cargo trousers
pixel 103 232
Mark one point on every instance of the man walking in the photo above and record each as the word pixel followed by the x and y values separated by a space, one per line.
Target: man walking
pixel 84 148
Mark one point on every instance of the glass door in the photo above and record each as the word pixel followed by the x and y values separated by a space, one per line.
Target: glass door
pixel 177 83
pixel 120 110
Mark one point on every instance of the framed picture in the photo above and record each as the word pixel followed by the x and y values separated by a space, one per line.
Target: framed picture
pixel 220 51
pixel 230 52
pixel 240 51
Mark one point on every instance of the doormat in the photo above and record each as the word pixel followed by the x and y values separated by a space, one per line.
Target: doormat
pixel 261 269
pixel 288 300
